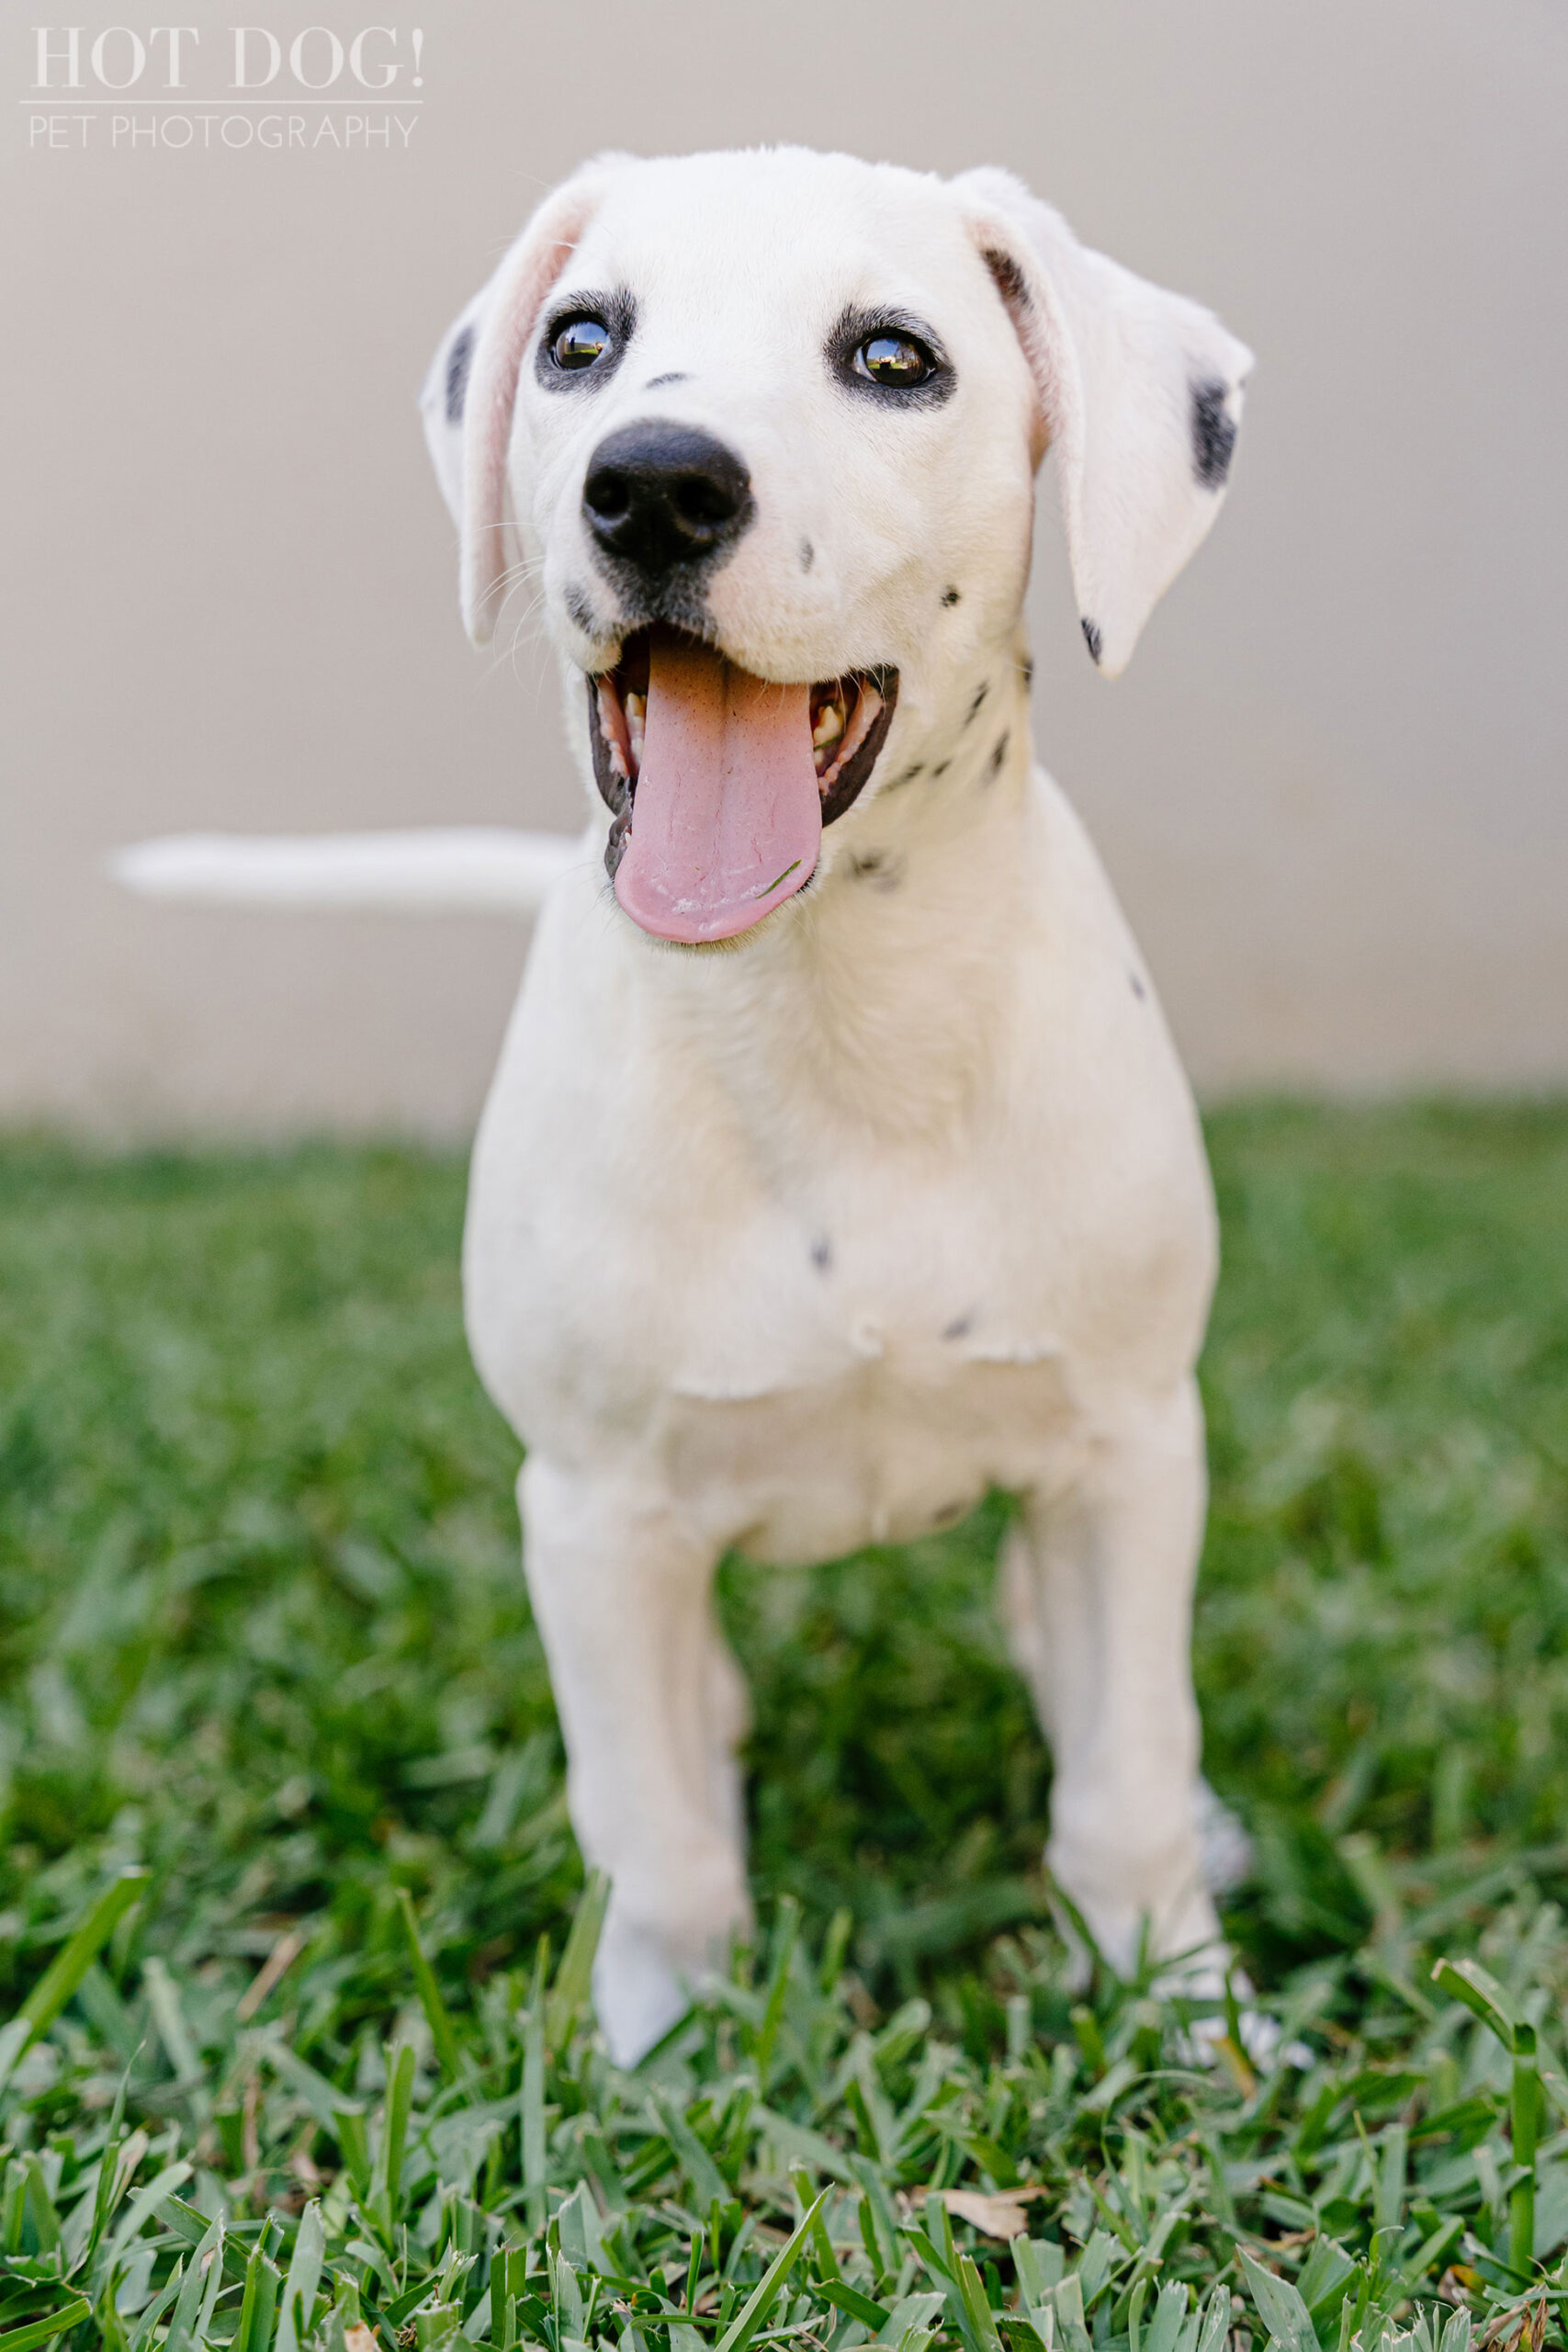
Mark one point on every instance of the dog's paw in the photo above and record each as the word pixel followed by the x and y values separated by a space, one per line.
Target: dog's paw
pixel 1224 1850
pixel 638 1997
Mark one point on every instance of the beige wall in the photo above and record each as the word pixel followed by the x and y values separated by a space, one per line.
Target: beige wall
pixel 1330 788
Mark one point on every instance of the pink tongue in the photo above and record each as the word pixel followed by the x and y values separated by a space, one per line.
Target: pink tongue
pixel 728 818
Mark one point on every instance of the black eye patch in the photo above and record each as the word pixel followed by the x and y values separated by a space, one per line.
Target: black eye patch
pixel 583 340
pixel 891 358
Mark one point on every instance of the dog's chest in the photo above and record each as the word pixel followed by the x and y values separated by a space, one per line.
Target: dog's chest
pixel 875 1428
pixel 856 1359
pixel 810 1330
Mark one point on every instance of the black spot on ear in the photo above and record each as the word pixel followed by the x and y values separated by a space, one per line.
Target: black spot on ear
pixel 459 358
pixel 1139 991
pixel 1092 639
pixel 950 596
pixel 808 555
pixel 581 610
pixel 960 1326
pixel 973 711
pixel 1213 436
pixel 822 1254
pixel 1009 278
pixel 999 754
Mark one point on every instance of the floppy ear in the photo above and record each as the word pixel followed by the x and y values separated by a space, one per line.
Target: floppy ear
pixel 470 391
pixel 1141 392
pixel 443 398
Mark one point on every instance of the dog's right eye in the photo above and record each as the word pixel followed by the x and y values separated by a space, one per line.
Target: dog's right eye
pixel 578 343
pixel 896 360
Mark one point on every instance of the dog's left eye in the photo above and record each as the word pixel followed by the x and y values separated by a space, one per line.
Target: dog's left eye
pixel 896 360
pixel 578 343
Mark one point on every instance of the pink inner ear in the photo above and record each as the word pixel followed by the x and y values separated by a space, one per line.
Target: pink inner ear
pixel 1012 277
pixel 525 278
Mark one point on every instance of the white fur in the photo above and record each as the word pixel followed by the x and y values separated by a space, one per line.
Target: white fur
pixel 808 1242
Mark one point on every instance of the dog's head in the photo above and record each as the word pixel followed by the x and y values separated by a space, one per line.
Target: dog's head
pixel 766 427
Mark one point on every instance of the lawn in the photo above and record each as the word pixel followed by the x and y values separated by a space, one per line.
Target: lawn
pixel 265 1647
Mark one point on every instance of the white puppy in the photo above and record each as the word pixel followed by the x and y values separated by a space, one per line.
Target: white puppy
pixel 839 1166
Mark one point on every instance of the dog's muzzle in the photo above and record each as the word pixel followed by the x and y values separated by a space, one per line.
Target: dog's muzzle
pixel 661 496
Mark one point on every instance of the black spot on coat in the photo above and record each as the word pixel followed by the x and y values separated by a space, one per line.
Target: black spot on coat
pixel 982 691
pixel 822 1254
pixel 459 358
pixel 998 753
pixel 1213 434
pixel 950 596
pixel 875 866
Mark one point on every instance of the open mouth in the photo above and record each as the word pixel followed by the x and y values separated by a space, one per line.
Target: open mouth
pixel 721 782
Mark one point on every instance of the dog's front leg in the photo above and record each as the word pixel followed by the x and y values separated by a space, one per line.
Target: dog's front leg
pixel 652 1707
pixel 1097 1582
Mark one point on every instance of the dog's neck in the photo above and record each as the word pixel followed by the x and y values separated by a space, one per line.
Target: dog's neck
pixel 881 1002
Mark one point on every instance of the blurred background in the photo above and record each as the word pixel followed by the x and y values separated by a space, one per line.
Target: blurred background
pixel 1330 790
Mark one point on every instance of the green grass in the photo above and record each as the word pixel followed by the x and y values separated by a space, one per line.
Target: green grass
pixel 263 1637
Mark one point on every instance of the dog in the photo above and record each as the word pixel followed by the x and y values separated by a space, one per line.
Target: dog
pixel 839 1166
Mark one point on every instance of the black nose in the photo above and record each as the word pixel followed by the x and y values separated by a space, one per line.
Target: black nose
pixel 659 494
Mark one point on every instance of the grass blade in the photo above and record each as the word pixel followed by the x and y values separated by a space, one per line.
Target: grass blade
pixel 569 1993
pixel 435 2007
pixel 755 2309
pixel 38 2331
pixel 786 1936
pixel 1524 2114
pixel 304 2278
pixel 1467 1981
pixel 59 1981
pixel 388 2180
pixel 1279 2307
pixel 978 2310
pixel 258 2306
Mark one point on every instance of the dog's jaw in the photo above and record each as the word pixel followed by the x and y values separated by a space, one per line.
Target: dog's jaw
pixel 881 995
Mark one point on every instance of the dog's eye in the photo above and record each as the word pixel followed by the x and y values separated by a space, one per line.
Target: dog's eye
pixel 896 360
pixel 580 343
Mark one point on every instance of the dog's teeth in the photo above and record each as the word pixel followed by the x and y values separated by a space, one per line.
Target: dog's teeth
pixel 635 707
pixel 827 731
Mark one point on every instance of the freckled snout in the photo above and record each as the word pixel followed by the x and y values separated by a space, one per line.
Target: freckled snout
pixel 660 496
